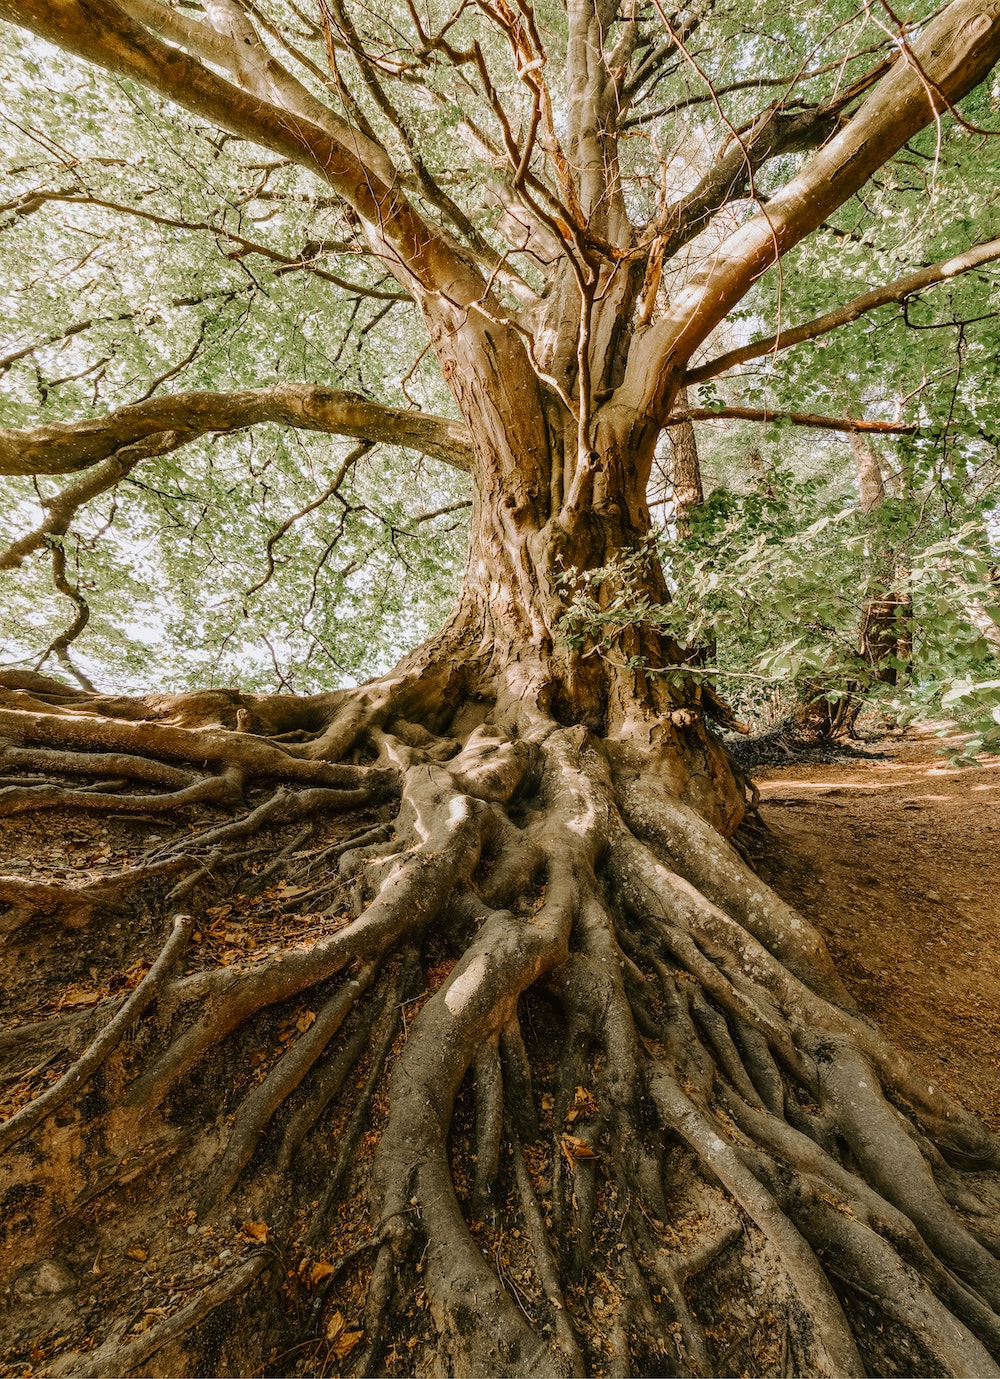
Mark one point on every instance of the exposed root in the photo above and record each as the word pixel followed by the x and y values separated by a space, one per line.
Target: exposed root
pixel 128 1356
pixel 260 1106
pixel 99 765
pixel 73 905
pixel 83 1069
pixel 552 1084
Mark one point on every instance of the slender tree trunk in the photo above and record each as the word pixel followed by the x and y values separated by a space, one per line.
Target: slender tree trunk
pixel 684 470
pixel 881 633
pixel 687 492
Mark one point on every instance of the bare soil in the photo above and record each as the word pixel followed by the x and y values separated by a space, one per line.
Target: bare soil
pixel 897 860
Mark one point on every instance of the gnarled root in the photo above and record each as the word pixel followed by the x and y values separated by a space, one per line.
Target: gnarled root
pixel 527 1073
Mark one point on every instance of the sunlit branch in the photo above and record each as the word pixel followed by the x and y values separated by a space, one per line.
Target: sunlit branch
pixel 962 45
pixel 896 291
pixel 103 33
pixel 813 419
pixel 64 447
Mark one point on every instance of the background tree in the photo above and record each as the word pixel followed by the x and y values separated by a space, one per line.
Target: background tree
pixel 564 1044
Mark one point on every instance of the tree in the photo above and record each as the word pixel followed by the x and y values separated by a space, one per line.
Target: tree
pixel 628 1075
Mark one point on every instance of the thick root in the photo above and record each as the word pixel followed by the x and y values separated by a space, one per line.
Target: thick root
pixel 527 1073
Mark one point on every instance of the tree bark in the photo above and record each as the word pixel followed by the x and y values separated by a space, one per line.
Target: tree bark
pixel 684 470
pixel 525 1034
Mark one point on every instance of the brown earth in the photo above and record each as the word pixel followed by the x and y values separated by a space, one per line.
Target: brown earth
pixel 897 861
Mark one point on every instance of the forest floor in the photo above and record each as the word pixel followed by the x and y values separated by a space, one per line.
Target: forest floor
pixel 895 855
pixel 896 858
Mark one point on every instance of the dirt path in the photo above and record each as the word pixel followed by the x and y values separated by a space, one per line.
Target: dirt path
pixel 897 860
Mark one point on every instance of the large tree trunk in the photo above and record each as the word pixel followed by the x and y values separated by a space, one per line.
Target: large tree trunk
pixel 527 1072
pixel 555 1086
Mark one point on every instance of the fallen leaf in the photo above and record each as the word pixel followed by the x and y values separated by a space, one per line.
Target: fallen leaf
pixel 305 1020
pixel 346 1344
pixel 582 1107
pixel 574 1148
pixel 338 1336
pixel 256 1230
pixel 136 1252
pixel 320 1270
pixel 77 996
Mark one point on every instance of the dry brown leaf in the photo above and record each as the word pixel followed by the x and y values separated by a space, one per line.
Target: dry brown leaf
pixel 582 1107
pixel 77 996
pixel 338 1336
pixel 305 1020
pixel 574 1148
pixel 320 1270
pixel 136 1252
pixel 256 1230
pixel 346 1344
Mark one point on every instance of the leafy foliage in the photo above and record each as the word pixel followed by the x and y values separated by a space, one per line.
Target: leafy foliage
pixel 164 253
pixel 771 584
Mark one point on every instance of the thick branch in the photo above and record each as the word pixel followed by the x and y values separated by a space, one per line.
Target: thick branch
pixel 64 447
pixel 241 53
pixel 61 509
pixel 102 32
pixel 895 291
pixel 952 56
pixel 731 177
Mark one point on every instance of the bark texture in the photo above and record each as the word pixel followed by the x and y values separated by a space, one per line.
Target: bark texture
pixel 525 1071
pixel 554 1084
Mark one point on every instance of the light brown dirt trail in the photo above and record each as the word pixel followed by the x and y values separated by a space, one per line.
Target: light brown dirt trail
pixel 897 860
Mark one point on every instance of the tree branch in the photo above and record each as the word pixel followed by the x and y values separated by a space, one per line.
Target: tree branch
pixel 813 419
pixel 332 487
pixel 101 31
pixel 304 262
pixel 843 315
pixel 957 49
pixel 731 178
pixel 62 508
pixel 240 52
pixel 789 82
pixel 65 447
